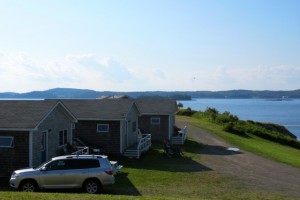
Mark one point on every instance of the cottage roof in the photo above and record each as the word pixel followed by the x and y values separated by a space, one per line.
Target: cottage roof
pixel 156 106
pixel 100 109
pixel 25 114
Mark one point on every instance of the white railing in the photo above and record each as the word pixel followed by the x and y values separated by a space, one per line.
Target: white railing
pixel 181 137
pixel 81 151
pixel 144 144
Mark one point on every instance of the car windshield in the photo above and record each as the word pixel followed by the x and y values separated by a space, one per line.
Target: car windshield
pixel 41 165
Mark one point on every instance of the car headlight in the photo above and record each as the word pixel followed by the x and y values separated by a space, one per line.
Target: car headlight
pixel 14 175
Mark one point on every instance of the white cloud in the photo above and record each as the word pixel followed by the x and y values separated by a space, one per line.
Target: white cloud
pixel 23 73
pixel 115 71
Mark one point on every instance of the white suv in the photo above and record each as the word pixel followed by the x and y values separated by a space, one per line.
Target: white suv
pixel 89 172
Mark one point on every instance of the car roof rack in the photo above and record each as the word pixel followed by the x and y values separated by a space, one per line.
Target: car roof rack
pixel 86 156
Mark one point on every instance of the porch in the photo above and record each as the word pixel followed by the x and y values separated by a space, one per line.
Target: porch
pixel 137 149
pixel 180 137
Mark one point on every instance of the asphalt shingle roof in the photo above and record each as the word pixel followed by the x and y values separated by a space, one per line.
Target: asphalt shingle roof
pixel 99 109
pixel 27 114
pixel 23 114
pixel 156 106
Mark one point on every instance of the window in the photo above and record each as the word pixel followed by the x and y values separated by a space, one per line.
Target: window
pixel 133 126
pixel 56 165
pixel 155 120
pixel 102 128
pixel 63 137
pixel 43 142
pixel 82 163
pixel 6 141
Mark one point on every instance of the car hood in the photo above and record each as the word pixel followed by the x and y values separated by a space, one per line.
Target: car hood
pixel 27 170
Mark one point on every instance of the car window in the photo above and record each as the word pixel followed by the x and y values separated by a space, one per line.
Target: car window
pixel 82 163
pixel 91 163
pixel 56 165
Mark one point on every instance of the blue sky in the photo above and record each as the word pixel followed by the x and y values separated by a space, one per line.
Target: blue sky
pixel 149 45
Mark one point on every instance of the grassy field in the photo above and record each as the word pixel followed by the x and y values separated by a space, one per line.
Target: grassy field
pixel 155 177
pixel 257 145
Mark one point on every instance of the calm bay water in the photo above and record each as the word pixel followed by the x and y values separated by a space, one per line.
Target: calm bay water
pixel 286 113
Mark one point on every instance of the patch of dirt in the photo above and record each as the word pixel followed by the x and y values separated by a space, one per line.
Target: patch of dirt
pixel 254 171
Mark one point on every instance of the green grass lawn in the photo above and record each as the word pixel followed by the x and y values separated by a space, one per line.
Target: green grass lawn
pixel 257 145
pixel 155 177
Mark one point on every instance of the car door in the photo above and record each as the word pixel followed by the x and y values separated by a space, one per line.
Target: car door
pixel 52 175
pixel 75 173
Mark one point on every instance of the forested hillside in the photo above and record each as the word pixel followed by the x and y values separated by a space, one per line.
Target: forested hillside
pixel 177 95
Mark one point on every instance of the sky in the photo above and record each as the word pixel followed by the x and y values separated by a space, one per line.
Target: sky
pixel 149 45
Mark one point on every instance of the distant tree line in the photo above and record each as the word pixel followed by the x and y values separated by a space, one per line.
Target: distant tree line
pixel 174 97
pixel 177 95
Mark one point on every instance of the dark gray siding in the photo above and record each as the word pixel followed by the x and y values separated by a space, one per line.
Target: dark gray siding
pixel 17 157
pixel 110 142
pixel 55 122
pixel 158 131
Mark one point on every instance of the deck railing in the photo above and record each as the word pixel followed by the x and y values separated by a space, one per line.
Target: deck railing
pixel 144 144
pixel 81 151
pixel 180 137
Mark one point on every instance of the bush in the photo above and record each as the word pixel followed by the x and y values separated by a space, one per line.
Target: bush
pixel 186 112
pixel 180 105
pixel 236 129
pixel 228 128
pixel 232 124
pixel 271 134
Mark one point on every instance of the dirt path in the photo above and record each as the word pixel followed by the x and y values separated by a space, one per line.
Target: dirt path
pixel 255 171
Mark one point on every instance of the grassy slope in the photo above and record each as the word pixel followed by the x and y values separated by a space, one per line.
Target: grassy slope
pixel 154 177
pixel 253 144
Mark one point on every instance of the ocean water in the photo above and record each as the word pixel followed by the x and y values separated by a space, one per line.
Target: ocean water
pixel 285 112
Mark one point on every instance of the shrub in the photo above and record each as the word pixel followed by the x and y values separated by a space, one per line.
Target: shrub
pixel 229 127
pixel 232 124
pixel 186 112
pixel 180 105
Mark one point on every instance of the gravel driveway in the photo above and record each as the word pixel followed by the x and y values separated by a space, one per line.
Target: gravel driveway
pixel 255 171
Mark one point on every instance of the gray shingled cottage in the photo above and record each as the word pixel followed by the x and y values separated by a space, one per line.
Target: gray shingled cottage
pixel 111 124
pixel 32 132
pixel 157 117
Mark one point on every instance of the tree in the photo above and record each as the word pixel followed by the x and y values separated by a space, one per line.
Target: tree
pixel 180 105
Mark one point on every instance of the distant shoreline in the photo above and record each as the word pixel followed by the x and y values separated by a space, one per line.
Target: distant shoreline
pixel 69 93
pixel 285 113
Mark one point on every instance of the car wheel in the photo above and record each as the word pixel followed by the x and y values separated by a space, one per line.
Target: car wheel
pixel 28 186
pixel 92 186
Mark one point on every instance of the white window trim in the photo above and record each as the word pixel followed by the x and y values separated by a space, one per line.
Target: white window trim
pixel 107 129
pixel 156 119
pixel 11 143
